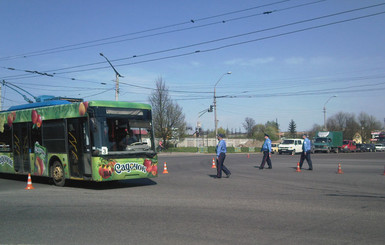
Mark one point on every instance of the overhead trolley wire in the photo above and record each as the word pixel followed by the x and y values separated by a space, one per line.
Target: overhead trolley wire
pixel 191 45
pixel 254 40
pixel 240 43
pixel 72 46
pixel 167 50
pixel 243 42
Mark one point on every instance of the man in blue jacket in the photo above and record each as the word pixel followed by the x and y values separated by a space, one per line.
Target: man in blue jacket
pixel 266 149
pixel 221 155
pixel 306 150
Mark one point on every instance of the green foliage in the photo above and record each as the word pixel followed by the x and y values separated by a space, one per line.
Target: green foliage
pixel 272 124
pixel 211 149
pixel 259 132
pixel 244 149
pixel 270 128
pixel 181 149
pixel 272 131
pixel 222 131
pixel 292 129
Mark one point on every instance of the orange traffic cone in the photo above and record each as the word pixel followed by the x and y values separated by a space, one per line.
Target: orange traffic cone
pixel 248 155
pixel 165 168
pixel 339 169
pixel 213 165
pixel 298 168
pixel 29 183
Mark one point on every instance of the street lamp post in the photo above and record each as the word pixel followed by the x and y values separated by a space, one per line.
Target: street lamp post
pixel 325 110
pixel 215 102
pixel 116 80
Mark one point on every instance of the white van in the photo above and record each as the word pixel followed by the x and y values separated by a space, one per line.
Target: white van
pixel 291 146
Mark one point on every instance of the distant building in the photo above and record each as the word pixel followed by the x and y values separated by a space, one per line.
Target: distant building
pixel 378 136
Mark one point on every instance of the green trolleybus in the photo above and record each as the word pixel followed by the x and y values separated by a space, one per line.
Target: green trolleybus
pixel 94 140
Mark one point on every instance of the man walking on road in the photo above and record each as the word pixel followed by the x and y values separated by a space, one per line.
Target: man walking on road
pixel 221 155
pixel 266 149
pixel 306 150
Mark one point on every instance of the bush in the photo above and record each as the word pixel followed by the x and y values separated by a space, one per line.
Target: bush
pixel 244 149
pixel 210 149
pixel 181 149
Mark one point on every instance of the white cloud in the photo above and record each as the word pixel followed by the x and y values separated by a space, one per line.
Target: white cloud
pixel 250 62
pixel 295 60
pixel 321 60
pixel 195 63
pixel 233 61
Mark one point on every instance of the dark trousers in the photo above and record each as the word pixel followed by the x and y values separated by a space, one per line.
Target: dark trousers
pixel 221 166
pixel 308 159
pixel 266 158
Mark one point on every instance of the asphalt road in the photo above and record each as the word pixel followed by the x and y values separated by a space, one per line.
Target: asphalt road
pixel 189 206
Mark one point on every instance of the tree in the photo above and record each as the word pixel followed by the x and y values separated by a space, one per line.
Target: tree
pixel 315 128
pixel 345 122
pixel 168 118
pixel 367 124
pixel 259 131
pixel 272 129
pixel 248 126
pixel 222 131
pixel 292 129
pixel 272 124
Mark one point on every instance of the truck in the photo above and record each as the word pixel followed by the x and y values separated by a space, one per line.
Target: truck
pixel 349 146
pixel 328 141
pixel 290 146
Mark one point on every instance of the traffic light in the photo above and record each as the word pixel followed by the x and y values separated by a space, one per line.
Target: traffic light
pixel 211 108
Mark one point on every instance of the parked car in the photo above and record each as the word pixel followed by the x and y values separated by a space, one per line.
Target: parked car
pixel 359 147
pixel 274 147
pixel 312 148
pixel 290 146
pixel 348 146
pixel 368 148
pixel 380 147
pixel 327 141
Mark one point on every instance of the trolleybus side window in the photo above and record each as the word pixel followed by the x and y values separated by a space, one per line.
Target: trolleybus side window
pixel 36 137
pixel 6 139
pixel 54 136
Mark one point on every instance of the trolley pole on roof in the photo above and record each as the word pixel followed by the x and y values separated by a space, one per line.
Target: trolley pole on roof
pixel 117 78
pixel 24 96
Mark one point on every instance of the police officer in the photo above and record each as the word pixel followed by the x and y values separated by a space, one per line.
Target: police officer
pixel 266 149
pixel 306 150
pixel 221 155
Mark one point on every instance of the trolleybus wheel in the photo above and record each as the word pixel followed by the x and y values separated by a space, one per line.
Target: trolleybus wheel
pixel 57 173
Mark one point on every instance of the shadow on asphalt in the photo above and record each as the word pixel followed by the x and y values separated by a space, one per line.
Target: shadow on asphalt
pixel 81 183
pixel 109 184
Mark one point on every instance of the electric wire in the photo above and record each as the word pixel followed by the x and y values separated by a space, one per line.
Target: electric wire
pixel 237 43
pixel 52 50
pixel 210 41
pixel 273 36
pixel 183 47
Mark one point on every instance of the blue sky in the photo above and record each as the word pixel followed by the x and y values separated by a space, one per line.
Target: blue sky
pixel 286 58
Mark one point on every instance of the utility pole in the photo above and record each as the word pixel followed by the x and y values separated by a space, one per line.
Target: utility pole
pixel 215 103
pixel 116 79
pixel 1 97
pixel 324 110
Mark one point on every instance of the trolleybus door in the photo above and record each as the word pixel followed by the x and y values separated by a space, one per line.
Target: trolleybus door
pixel 75 129
pixel 21 148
